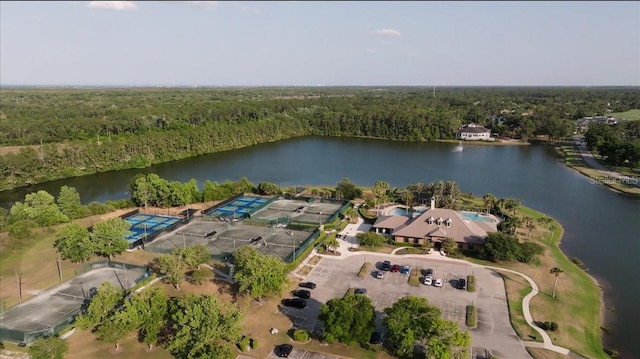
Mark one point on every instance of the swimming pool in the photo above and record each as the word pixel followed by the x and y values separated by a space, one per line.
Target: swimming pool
pixel 474 216
pixel 402 211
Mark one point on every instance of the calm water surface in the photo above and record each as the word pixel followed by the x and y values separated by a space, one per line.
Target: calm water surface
pixel 601 227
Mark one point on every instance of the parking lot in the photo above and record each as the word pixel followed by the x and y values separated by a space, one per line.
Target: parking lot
pixel 334 277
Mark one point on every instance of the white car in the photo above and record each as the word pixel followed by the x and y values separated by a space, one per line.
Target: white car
pixel 428 281
pixel 438 282
pixel 380 274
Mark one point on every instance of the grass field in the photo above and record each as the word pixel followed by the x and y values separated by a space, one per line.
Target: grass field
pixel 632 115
pixel 573 159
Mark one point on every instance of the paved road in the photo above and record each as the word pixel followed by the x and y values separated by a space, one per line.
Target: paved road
pixel 606 173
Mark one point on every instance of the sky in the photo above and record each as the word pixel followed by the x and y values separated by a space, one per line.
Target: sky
pixel 307 43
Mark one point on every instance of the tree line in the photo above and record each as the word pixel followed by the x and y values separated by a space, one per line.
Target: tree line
pixel 619 144
pixel 77 132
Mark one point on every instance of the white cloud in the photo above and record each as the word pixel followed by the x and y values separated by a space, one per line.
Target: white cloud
pixel 113 5
pixel 207 5
pixel 386 32
pixel 250 9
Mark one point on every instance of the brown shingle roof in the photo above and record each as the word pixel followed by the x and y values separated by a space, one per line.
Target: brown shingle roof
pixel 460 230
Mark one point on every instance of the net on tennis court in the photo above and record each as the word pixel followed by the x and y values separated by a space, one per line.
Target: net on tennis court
pixel 70 296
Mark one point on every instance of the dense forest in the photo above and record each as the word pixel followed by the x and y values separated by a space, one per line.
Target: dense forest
pixel 72 132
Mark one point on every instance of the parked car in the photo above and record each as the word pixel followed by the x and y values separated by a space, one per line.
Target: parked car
pixel 309 285
pixel 438 282
pixel 386 266
pixel 380 274
pixel 362 291
pixel 295 303
pixel 405 269
pixel 395 268
pixel 302 293
pixel 428 281
pixel 429 273
pixel 462 283
pixel 283 350
pixel 376 338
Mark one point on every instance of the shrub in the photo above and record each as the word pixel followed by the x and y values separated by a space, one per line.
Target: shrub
pixel 471 283
pixel 199 276
pixel 414 278
pixel 300 335
pixel 254 343
pixel 545 325
pixel 553 327
pixel 472 316
pixel 244 344
pixel 364 269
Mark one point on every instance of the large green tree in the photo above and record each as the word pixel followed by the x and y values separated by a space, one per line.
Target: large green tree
pixel 258 275
pixel 347 190
pixel 501 246
pixel 348 319
pixel 203 328
pixel 108 237
pixel 411 320
pixel 118 325
pixel 101 306
pixel 173 267
pixel 48 348
pixel 39 207
pixel 148 310
pixel 69 203
pixel 73 242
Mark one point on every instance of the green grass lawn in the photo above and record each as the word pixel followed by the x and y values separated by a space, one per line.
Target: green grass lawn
pixel 632 115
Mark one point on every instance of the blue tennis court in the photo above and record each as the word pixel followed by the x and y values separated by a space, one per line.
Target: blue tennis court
pixel 144 225
pixel 241 207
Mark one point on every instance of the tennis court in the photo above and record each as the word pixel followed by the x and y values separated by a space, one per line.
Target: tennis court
pixel 288 210
pixel 52 310
pixel 223 238
pixel 145 225
pixel 239 208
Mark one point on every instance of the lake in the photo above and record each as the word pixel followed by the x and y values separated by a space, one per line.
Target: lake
pixel 601 226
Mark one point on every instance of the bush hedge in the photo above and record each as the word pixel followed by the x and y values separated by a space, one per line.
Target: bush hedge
pixel 471 283
pixel 472 316
pixel 364 270
pixel 254 343
pixel 300 335
pixel 244 344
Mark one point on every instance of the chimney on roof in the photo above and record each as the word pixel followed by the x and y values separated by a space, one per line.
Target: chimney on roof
pixel 433 203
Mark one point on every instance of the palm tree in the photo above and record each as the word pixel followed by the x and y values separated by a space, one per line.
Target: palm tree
pixel 528 222
pixel 556 272
pixel 332 244
pixel 380 189
pixel 489 201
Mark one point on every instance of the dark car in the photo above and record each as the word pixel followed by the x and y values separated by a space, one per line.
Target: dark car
pixel 309 285
pixel 295 302
pixel 302 293
pixel 362 291
pixel 283 350
pixel 376 338
pixel 395 268
pixel 386 266
pixel 462 284
pixel 429 273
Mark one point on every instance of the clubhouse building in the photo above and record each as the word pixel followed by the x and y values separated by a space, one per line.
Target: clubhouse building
pixel 434 225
